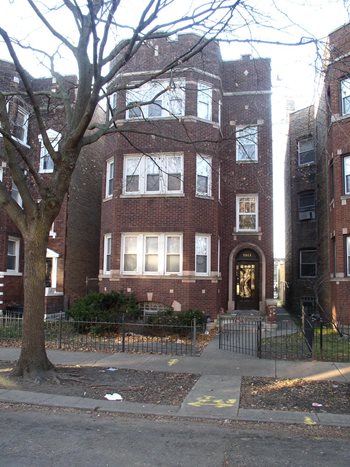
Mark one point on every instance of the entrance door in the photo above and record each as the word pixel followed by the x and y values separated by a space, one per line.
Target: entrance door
pixel 247 280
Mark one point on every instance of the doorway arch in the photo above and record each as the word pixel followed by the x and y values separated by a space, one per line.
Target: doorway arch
pixel 246 254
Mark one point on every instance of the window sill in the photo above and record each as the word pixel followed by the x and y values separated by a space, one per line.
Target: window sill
pixel 255 161
pixel 107 198
pixel 208 197
pixel 50 171
pixel 154 195
pixel 12 273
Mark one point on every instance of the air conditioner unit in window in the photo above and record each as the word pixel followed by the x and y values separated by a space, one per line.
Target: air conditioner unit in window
pixel 306 215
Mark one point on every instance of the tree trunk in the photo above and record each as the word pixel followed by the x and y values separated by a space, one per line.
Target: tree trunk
pixel 33 360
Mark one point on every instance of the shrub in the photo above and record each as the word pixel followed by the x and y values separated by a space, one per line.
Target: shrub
pixel 182 318
pixel 108 307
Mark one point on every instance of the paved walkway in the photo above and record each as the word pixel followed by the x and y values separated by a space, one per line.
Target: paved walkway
pixel 214 396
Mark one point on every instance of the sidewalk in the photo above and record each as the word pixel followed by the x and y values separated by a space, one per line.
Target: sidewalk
pixel 215 395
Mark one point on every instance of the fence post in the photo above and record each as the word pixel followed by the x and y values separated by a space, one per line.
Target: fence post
pixel 258 339
pixel 123 333
pixel 60 332
pixel 194 336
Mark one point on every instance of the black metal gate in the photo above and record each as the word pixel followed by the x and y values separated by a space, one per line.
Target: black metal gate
pixel 240 335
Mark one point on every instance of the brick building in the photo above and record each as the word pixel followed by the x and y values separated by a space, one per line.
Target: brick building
pixel 187 194
pixel 72 253
pixel 301 214
pixel 327 261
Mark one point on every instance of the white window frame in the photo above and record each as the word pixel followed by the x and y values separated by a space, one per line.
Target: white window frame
pixel 15 194
pixel 107 253
pixel 140 166
pixel 204 169
pixel 46 162
pixel 347 248
pixel 162 106
pixel 205 101
pixel 1 174
pixel 345 96
pixel 24 126
pixel 109 186
pixel 247 143
pixel 203 238
pixel 248 213
pixel 16 242
pixel 346 171
pixel 162 253
pixel 301 263
pixel 302 151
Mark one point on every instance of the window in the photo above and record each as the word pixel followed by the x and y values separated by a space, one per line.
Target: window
pixel 46 162
pixel 156 174
pixel 308 263
pixel 12 262
pixel 1 173
pixel 109 178
pixel 162 98
pixel 345 96
pixel 307 205
pixel 150 253
pixel 202 254
pixel 20 125
pixel 15 194
pixel 348 256
pixel 306 151
pixel 204 101
pixel 203 174
pixel 347 175
pixel 247 144
pixel 247 213
pixel 107 253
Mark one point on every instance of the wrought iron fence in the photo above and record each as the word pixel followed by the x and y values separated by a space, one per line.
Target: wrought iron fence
pixel 111 337
pixel 285 340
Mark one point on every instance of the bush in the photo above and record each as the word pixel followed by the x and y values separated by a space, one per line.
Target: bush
pixel 107 307
pixel 182 318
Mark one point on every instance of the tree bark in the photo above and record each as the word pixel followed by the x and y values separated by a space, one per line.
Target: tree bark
pixel 33 360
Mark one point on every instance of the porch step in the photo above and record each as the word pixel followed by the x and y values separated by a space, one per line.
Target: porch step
pixel 253 314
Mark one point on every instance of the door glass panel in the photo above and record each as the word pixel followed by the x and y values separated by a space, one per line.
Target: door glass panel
pixel 245 283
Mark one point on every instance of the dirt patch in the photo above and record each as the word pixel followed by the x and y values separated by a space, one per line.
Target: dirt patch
pixel 295 395
pixel 150 387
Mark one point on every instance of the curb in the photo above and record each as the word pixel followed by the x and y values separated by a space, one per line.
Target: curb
pixel 135 408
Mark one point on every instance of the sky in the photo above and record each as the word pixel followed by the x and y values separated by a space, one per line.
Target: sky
pixel 294 68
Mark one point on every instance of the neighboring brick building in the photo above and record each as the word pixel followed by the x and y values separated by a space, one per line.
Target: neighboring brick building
pixel 72 253
pixel 329 176
pixel 301 213
pixel 187 208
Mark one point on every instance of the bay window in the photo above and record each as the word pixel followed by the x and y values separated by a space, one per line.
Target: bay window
pixel 157 99
pixel 202 251
pixel 203 175
pixel 204 100
pixel 154 174
pixel 151 253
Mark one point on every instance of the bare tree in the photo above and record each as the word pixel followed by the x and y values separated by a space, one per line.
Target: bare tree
pixel 104 36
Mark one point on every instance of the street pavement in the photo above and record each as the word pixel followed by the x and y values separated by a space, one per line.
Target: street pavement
pixel 215 395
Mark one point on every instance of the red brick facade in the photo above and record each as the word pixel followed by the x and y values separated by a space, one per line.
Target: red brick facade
pixel 73 243
pixel 329 177
pixel 240 97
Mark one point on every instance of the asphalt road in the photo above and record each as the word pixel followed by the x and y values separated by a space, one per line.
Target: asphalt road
pixel 39 438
